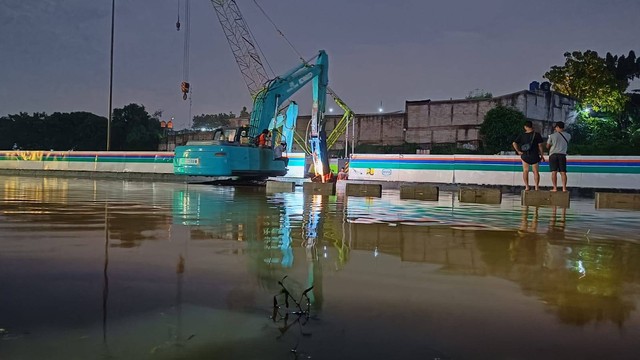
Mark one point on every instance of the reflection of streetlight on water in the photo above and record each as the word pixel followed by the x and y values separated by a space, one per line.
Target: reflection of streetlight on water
pixel 105 278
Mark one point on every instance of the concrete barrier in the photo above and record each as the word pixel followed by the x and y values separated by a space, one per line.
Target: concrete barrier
pixel 312 188
pixel 617 201
pixel 91 161
pixel 545 198
pixel 280 186
pixel 599 172
pixel 364 190
pixel 480 196
pixel 419 192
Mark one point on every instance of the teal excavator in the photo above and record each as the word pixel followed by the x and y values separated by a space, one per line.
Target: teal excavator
pixel 234 152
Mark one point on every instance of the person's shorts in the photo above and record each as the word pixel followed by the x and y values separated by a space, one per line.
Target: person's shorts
pixel 558 162
pixel 530 158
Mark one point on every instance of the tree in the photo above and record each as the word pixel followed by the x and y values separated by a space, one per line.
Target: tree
pixel 27 131
pixel 479 94
pixel 134 129
pixel 58 131
pixel 212 121
pixel 588 78
pixel 623 68
pixel 76 131
pixel 501 125
pixel 605 109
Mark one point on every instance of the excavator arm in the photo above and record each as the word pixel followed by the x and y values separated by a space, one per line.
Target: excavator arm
pixel 347 117
pixel 280 89
pixel 268 100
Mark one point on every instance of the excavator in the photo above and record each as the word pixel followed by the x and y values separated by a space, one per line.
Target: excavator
pixel 233 152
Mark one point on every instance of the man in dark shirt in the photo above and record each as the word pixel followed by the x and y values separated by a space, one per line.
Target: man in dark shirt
pixel 529 146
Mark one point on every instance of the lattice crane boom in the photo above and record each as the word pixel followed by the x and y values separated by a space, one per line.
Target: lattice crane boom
pixel 243 46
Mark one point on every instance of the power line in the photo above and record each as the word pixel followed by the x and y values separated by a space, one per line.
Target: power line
pixel 280 32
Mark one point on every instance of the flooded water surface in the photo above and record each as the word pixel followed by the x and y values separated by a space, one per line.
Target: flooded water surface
pixel 93 269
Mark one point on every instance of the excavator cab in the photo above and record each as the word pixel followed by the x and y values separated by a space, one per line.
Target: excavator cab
pixel 225 135
pixel 238 135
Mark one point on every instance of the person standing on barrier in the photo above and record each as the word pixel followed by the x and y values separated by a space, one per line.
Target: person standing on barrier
pixel 558 143
pixel 529 146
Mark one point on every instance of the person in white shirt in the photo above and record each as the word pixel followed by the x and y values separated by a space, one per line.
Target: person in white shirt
pixel 558 143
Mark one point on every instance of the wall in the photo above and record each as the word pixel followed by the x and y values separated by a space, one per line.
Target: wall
pixel 613 172
pixel 109 162
pixel 112 161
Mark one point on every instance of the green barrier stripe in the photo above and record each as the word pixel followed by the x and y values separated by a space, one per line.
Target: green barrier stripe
pixel 386 165
pixel 506 167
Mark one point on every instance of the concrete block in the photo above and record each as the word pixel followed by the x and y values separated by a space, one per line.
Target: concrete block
pixel 419 192
pixel 366 190
pixel 480 196
pixel 280 186
pixel 617 201
pixel 312 188
pixel 545 198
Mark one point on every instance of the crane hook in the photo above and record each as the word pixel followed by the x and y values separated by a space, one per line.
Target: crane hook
pixel 184 87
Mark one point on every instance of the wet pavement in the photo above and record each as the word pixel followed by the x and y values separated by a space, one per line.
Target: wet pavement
pixel 134 270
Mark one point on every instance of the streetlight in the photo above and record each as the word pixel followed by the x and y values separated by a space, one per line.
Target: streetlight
pixel 113 14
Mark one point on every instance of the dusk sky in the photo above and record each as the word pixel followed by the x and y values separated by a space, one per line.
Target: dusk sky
pixel 54 54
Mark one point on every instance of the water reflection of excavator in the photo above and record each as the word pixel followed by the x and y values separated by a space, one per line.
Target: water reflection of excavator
pixel 233 152
pixel 265 227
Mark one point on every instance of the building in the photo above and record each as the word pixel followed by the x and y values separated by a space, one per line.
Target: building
pixel 458 121
pixel 427 123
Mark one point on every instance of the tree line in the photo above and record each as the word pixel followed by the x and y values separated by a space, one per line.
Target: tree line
pixel 132 129
pixel 212 121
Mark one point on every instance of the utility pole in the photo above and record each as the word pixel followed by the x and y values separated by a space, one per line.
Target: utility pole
pixel 113 14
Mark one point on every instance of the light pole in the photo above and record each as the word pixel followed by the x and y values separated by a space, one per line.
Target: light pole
pixel 346 141
pixel 113 13
pixel 353 135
